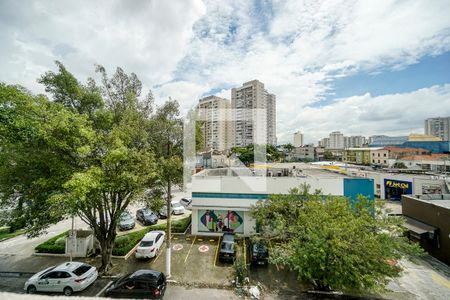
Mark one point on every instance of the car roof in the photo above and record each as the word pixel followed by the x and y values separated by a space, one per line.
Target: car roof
pixel 68 266
pixel 151 235
pixel 146 274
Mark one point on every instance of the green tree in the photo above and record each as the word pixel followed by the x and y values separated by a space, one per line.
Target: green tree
pixel 328 155
pixel 247 154
pixel 399 165
pixel 331 243
pixel 87 153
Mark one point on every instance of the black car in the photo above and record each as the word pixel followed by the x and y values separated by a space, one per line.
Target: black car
pixel 259 253
pixel 146 216
pixel 227 252
pixel 162 213
pixel 142 284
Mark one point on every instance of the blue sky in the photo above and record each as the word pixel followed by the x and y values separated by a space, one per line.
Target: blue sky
pixel 361 67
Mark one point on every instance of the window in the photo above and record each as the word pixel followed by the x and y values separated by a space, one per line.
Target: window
pixel 146 244
pixel 384 161
pixel 81 269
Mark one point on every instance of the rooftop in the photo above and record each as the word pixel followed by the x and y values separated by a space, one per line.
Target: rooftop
pixel 438 200
pixel 431 157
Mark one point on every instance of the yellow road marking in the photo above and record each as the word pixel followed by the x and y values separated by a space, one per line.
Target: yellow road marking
pixel 188 239
pixel 271 249
pixel 200 240
pixel 440 280
pixel 174 238
pixel 212 240
pixel 217 251
pixel 185 260
pixel 245 254
pixel 159 254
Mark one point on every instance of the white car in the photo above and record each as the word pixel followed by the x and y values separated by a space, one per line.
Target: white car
pixel 186 202
pixel 150 245
pixel 68 277
pixel 177 208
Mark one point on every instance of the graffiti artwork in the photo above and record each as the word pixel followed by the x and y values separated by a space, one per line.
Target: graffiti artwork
pixel 220 221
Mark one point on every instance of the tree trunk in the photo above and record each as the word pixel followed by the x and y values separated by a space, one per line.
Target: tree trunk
pixel 168 229
pixel 106 244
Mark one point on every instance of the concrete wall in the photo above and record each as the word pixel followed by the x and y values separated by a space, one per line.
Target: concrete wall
pixel 429 213
pixel 269 185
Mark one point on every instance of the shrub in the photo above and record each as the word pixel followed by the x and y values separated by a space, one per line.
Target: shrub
pixel 124 243
pixel 52 245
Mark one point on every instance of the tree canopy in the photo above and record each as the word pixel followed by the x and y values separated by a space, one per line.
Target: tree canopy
pixel 331 243
pixel 247 154
pixel 89 152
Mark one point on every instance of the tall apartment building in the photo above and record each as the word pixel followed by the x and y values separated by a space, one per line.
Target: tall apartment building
pixel 298 139
pixel 439 127
pixel 354 141
pixel 254 114
pixel 336 140
pixel 325 143
pixel 216 122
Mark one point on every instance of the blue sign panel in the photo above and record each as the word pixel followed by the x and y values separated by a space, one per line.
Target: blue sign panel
pixel 394 189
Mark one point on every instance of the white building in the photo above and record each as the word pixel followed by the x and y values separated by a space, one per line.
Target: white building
pixel 222 198
pixel 336 140
pixel 354 141
pixel 298 139
pixel 439 127
pixel 214 112
pixel 254 115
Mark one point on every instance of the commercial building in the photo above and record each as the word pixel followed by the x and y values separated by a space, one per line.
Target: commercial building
pixel 214 113
pixel 428 223
pixel 387 156
pixel 432 146
pixel 416 137
pixel 298 139
pixel 222 198
pixel 384 140
pixel 432 162
pixel 336 140
pixel 360 156
pixel 439 127
pixel 303 153
pixel 254 115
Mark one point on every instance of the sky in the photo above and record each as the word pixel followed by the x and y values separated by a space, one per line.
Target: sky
pixel 361 67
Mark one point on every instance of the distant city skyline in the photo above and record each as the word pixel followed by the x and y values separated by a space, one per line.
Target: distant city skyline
pixel 332 64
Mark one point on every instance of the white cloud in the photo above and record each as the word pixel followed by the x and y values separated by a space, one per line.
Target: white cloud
pixel 187 48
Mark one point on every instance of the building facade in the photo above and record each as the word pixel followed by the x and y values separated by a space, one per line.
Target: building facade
pixel 214 113
pixel 298 139
pixel 439 127
pixel 360 156
pixel 354 141
pixel 384 140
pixel 337 140
pixel 428 223
pixel 254 115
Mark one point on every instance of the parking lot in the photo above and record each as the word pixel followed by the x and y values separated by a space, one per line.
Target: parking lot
pixel 194 262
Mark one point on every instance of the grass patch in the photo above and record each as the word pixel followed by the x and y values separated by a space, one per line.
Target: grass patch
pixel 53 245
pixel 5 234
pixel 124 243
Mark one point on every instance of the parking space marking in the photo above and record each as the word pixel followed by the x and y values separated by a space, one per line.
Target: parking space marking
pixel 217 251
pixel 160 252
pixel 185 260
pixel 245 254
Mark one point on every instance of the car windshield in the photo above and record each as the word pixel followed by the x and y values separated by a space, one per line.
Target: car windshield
pixel 259 247
pixel 227 246
pixel 147 212
pixel 175 205
pixel 82 269
pixel 146 244
pixel 125 217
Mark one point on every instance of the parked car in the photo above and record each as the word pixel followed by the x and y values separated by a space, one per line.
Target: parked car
pixel 150 244
pixel 146 216
pixel 67 278
pixel 126 221
pixel 186 202
pixel 148 284
pixel 259 253
pixel 227 252
pixel 162 213
pixel 177 208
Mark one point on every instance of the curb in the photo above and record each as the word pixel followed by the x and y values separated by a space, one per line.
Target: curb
pixel 16 274
pixel 50 254
pixel 103 289
pixel 128 254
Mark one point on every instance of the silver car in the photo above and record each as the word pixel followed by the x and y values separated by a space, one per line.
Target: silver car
pixel 67 278
pixel 126 221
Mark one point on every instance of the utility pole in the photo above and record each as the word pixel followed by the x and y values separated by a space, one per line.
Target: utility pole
pixel 169 215
pixel 72 238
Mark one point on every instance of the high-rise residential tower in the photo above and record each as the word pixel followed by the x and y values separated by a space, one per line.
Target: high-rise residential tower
pixel 254 114
pixel 439 127
pixel 336 140
pixel 298 139
pixel 214 113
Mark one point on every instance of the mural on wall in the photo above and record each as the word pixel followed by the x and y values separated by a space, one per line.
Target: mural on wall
pixel 220 221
